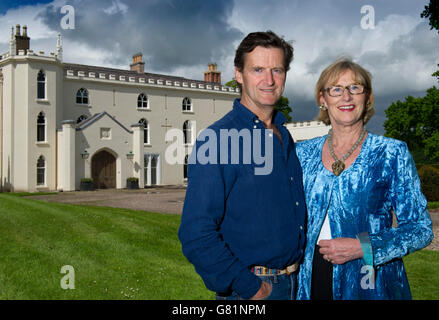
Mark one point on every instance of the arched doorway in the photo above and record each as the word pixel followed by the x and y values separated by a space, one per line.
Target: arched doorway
pixel 103 169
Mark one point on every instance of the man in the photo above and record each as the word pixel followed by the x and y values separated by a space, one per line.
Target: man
pixel 242 229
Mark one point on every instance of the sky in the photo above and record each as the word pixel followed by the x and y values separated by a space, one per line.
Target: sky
pixel 180 37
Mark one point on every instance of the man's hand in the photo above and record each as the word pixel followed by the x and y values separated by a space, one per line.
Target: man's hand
pixel 263 292
pixel 340 250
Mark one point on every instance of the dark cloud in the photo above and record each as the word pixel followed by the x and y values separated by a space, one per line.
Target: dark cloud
pixel 170 34
pixel 6 5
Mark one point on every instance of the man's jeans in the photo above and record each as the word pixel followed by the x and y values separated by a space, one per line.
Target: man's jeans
pixel 283 287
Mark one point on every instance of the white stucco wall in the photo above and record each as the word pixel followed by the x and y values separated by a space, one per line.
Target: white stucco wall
pixel 307 130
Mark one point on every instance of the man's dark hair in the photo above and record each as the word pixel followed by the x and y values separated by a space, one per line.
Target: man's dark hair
pixel 266 39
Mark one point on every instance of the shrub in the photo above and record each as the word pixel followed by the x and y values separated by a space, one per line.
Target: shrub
pixel 429 177
pixel 133 179
pixel 86 180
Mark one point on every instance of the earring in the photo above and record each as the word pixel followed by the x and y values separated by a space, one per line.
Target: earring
pixel 323 107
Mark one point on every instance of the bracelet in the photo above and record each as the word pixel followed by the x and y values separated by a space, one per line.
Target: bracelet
pixel 366 247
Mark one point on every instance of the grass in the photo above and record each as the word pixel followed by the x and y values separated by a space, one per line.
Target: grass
pixel 422 271
pixel 433 205
pixel 117 254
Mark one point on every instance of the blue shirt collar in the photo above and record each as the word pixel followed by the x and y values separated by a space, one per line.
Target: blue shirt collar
pixel 248 116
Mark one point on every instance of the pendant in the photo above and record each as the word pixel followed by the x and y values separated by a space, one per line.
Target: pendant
pixel 338 167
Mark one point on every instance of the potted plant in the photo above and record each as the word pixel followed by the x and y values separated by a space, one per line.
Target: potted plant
pixel 132 183
pixel 86 184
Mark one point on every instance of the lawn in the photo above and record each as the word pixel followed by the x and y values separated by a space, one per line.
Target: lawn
pixel 433 205
pixel 116 254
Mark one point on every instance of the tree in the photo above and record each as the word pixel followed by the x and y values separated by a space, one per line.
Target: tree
pixel 232 84
pixel 432 12
pixel 436 74
pixel 416 121
pixel 283 105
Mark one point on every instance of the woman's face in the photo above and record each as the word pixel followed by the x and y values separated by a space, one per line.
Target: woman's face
pixel 347 109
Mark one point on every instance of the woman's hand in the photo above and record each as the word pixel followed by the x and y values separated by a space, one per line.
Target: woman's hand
pixel 340 250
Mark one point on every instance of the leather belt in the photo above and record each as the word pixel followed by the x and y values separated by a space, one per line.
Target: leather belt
pixel 264 271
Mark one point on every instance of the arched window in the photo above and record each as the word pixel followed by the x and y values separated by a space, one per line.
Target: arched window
pixel 186 104
pixel 187 132
pixel 185 166
pixel 41 127
pixel 82 96
pixel 41 85
pixel 41 171
pixel 145 130
pixel 81 118
pixel 142 101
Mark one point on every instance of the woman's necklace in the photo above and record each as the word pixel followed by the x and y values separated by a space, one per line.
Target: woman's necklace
pixel 338 166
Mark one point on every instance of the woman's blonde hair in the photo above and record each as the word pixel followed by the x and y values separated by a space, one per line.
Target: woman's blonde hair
pixel 330 77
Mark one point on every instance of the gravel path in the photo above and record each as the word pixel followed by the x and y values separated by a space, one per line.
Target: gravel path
pixel 434 214
pixel 167 199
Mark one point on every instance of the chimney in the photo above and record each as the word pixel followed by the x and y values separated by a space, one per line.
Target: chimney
pixel 212 75
pixel 138 65
pixel 22 41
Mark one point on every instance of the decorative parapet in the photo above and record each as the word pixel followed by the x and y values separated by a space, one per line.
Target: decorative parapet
pixel 71 71
pixel 194 84
pixel 307 123
pixel 307 129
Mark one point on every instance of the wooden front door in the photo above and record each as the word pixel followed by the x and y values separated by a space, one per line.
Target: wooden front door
pixel 104 170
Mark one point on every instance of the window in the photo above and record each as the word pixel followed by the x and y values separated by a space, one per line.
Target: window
pixel 145 130
pixel 185 166
pixel 142 101
pixel 187 104
pixel 81 118
pixel 82 96
pixel 41 171
pixel 41 127
pixel 152 169
pixel 187 132
pixel 41 85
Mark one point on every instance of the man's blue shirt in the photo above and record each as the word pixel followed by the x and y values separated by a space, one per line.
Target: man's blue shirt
pixel 233 218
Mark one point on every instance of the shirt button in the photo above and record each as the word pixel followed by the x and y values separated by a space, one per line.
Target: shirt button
pixel 291 178
pixel 297 203
pixel 256 121
pixel 301 228
pixel 255 126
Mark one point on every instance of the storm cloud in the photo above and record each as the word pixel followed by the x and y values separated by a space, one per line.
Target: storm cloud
pixel 181 37
pixel 170 33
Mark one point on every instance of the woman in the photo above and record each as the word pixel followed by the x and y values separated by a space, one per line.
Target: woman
pixel 353 182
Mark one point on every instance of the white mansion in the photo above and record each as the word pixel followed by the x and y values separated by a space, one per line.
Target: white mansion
pixel 61 122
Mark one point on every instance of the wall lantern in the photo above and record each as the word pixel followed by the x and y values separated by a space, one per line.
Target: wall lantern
pixel 85 154
pixel 130 155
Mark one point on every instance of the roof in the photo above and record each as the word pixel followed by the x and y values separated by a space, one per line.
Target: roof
pixel 89 121
pixel 128 73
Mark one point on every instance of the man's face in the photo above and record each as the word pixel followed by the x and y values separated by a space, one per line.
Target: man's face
pixel 262 78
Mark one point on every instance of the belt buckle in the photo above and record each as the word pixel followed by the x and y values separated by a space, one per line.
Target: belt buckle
pixel 290 269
